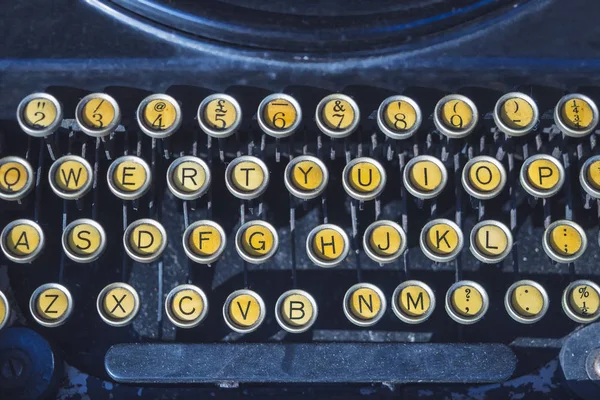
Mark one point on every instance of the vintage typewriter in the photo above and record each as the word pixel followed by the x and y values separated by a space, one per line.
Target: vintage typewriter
pixel 247 199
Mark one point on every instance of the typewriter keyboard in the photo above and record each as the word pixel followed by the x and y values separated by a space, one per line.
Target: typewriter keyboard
pixel 195 228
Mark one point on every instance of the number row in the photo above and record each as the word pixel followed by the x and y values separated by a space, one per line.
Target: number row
pixel 364 304
pixel 280 115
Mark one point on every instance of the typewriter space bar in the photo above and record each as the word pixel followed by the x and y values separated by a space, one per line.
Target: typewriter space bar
pixel 312 363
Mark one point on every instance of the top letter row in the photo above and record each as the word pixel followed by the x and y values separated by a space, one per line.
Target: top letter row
pixel 279 115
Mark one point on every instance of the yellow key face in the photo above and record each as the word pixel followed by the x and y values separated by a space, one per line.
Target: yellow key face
pixel 257 240
pixel 467 301
pixel 543 174
pixel 365 303
pixel 426 176
pixel 593 174
pixel 328 244
pixel 414 301
pixel 39 113
pixel 442 239
pixel 145 239
pixel 189 176
pixel 491 240
pixel 84 239
pixel 527 301
pixel 385 240
pixel 119 303
pixel 159 115
pixel 400 116
pixel 244 310
pixel 205 240
pixel 338 114
pixel 71 176
pixel 279 114
pixel 187 305
pixel 307 175
pixel 98 113
pixel 52 304
pixel 247 176
pixel 22 240
pixel 456 114
pixel 484 176
pixel 220 114
pixel 13 177
pixel 364 177
pixel 296 310
pixel 129 176
pixel 577 114
pixel 516 113
pixel 3 311
pixel 565 240
pixel 584 300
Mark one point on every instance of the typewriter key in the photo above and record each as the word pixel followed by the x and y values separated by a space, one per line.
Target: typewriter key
pixel 118 304
pixel 71 177
pixel 247 177
pixel 337 115
pixel 186 306
pixel 526 301
pixel 441 240
pixel 188 177
pixel 364 304
pixel 306 177
pixel 413 302
pixel 399 117
pixel 589 176
pixel 244 311
pixel 576 115
pixel 363 178
pixel 327 245
pixel 204 241
pixel 219 115
pixel 51 305
pixel 455 116
pixel 542 175
pixel 145 240
pixel 515 114
pixel 84 240
pixel 296 311
pixel 98 115
pixel 16 178
pixel 256 241
pixel 129 177
pixel 425 177
pixel 581 301
pixel 483 177
pixel 491 241
pixel 159 116
pixel 4 310
pixel 384 241
pixel 564 241
pixel 279 115
pixel 466 302
pixel 22 241
pixel 39 114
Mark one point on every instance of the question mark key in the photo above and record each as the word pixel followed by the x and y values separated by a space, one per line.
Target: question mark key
pixel 466 302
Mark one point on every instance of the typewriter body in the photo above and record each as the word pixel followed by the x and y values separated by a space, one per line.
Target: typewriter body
pixel 244 199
